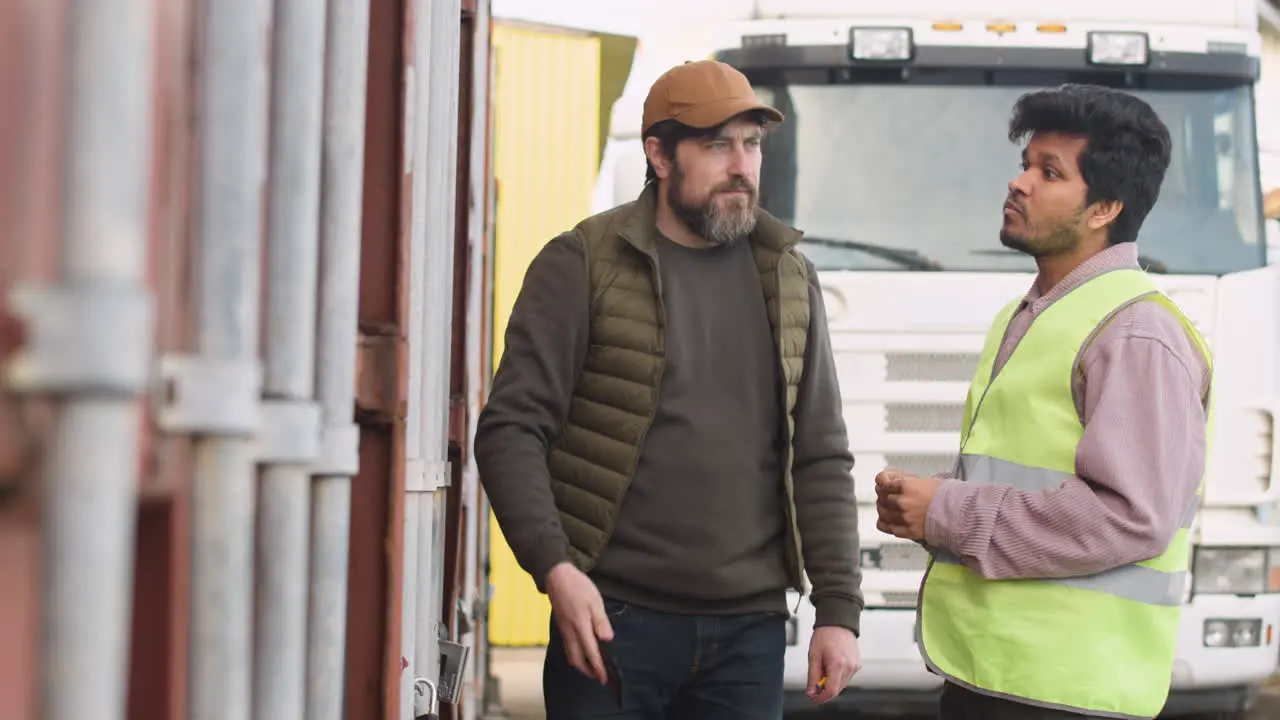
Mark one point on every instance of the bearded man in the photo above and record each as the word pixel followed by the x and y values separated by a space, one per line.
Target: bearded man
pixel 664 446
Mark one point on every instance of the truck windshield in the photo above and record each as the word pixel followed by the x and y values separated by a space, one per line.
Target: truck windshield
pixel 913 176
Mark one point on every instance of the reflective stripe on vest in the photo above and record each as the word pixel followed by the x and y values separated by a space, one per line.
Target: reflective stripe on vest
pixel 1160 584
pixel 1100 644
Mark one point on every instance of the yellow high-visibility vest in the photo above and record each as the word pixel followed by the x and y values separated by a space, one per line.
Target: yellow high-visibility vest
pixel 1100 644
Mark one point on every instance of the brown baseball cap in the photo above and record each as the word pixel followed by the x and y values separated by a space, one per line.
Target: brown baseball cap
pixel 701 94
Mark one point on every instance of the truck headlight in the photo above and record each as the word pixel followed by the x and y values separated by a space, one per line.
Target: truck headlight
pixel 1233 633
pixel 1118 48
pixel 884 44
pixel 1231 571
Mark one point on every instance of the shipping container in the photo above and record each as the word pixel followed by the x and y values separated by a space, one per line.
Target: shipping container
pixel 244 262
pixel 546 166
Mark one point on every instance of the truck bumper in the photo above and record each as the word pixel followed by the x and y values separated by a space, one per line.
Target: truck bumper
pixel 1198 667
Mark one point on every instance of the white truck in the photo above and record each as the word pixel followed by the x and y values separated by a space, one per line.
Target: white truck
pixel 894 160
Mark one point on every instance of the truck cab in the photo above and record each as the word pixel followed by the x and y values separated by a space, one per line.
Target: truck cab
pixel 894 160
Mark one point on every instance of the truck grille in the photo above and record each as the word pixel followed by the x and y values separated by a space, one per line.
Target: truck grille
pixel 895 556
pixel 900 598
pixel 930 366
pixel 923 417
pixel 922 464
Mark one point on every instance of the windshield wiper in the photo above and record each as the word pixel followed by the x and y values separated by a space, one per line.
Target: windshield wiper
pixel 910 259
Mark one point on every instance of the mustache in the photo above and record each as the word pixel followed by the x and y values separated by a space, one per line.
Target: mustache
pixel 1012 201
pixel 737 185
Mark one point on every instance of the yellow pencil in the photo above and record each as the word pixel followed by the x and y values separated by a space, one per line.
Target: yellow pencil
pixel 821 683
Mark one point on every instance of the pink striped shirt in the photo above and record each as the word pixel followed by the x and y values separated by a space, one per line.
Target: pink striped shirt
pixel 1140 389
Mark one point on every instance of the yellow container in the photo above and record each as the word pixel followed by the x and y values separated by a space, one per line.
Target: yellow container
pixel 548 105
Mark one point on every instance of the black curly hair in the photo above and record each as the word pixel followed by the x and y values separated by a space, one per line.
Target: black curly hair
pixel 1127 145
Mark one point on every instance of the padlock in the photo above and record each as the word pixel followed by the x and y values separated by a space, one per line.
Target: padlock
pixel 453 660
pixel 423 686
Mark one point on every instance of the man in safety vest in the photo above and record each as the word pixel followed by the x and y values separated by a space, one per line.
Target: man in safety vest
pixel 1060 544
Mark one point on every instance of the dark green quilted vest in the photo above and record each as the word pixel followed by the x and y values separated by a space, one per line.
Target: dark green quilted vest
pixel 616 396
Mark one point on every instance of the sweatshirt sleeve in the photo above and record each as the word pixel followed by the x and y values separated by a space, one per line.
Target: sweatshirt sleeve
pixel 826 508
pixel 545 346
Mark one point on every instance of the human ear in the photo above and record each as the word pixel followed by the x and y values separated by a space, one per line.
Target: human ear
pixel 1103 213
pixel 657 158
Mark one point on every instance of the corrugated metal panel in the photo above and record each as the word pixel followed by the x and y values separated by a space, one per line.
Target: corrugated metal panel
pixel 546 143
pixel 32 59
pixel 100 485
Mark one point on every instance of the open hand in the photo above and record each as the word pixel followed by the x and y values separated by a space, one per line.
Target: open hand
pixel 579 613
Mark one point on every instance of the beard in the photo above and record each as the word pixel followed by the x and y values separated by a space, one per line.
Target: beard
pixel 1060 237
pixel 718 224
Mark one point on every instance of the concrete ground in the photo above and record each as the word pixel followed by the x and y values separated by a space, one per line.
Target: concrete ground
pixel 519 673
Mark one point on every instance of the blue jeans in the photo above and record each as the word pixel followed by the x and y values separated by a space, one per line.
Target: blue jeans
pixel 674 667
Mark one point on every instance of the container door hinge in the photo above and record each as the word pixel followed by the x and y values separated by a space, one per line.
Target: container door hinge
pixel 84 338
pixel 339 452
pixel 209 396
pixel 289 432
pixel 426 475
